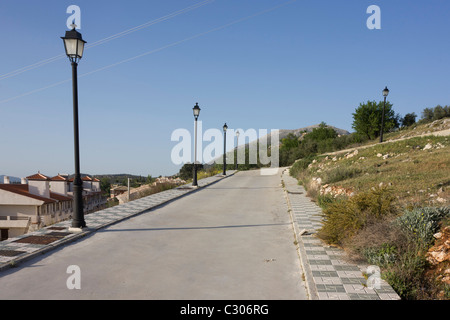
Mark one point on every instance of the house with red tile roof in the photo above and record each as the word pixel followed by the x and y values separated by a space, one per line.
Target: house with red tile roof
pixel 41 201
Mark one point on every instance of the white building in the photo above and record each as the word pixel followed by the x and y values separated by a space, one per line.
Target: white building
pixel 41 201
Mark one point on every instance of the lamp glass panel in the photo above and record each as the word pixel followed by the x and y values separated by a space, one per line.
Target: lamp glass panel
pixel 80 48
pixel 71 46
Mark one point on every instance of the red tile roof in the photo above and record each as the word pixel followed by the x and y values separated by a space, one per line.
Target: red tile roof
pixel 58 178
pixel 38 176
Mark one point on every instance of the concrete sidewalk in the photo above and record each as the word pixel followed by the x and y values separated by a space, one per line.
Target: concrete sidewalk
pixel 19 249
pixel 328 274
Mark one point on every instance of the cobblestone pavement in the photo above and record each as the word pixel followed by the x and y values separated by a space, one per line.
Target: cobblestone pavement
pixel 328 273
pixel 24 247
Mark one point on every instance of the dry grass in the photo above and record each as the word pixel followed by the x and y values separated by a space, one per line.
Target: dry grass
pixel 417 176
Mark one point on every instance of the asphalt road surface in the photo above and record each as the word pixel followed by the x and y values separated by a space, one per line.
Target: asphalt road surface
pixel 232 240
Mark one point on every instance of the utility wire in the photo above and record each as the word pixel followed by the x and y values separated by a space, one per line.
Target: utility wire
pixel 153 51
pixel 107 39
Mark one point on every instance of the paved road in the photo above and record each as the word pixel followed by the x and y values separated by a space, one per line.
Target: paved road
pixel 232 240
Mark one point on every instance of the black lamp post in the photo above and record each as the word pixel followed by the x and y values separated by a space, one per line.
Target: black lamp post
pixel 237 146
pixel 385 94
pixel 74 45
pixel 225 127
pixel 196 110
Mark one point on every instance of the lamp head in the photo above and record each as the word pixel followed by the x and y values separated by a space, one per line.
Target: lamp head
pixel 196 110
pixel 74 44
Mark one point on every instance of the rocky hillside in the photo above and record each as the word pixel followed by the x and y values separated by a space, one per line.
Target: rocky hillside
pixel 414 166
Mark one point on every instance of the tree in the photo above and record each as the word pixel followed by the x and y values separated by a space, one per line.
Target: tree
pixel 287 149
pixel 323 132
pixel 367 119
pixel 291 141
pixel 438 113
pixel 427 114
pixel 105 186
pixel 187 171
pixel 409 119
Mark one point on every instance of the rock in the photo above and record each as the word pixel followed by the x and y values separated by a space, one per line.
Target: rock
pixel 441 200
pixel 352 154
pixel 438 235
pixel 428 146
pixel 440 252
pixel 386 156
pixel 438 256
pixel 379 155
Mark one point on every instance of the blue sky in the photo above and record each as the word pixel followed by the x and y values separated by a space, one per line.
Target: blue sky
pixel 262 64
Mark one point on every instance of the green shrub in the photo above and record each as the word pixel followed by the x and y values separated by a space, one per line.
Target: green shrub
pixel 324 200
pixel 421 223
pixel 300 165
pixel 340 174
pixel 406 275
pixel 383 255
pixel 344 219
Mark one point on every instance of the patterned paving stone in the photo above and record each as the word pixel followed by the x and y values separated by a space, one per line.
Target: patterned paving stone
pixel 333 276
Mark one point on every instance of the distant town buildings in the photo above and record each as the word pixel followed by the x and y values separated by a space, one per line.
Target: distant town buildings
pixel 40 201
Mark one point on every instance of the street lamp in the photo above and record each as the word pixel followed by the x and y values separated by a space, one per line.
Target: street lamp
pixel 237 146
pixel 385 94
pixel 225 127
pixel 74 46
pixel 196 110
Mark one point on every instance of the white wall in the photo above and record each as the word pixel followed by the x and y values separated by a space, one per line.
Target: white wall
pixel 40 188
pixel 59 187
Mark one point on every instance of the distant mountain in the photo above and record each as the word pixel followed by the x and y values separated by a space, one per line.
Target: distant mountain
pixel 297 132
pixel 11 179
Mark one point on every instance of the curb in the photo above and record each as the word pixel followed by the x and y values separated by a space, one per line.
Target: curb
pixel 309 282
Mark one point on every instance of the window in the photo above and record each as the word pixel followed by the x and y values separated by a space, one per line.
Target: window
pixel 3 234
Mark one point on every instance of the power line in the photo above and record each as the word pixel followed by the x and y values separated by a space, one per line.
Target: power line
pixel 153 51
pixel 107 39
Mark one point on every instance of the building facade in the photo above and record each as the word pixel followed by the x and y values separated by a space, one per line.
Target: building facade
pixel 40 201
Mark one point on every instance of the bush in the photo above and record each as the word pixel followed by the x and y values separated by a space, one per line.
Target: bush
pixel 381 256
pixel 300 165
pixel 325 200
pixel 342 220
pixel 340 174
pixel 422 223
pixel 406 274
pixel 398 246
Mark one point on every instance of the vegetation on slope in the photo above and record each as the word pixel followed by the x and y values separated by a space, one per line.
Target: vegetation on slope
pixel 384 204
